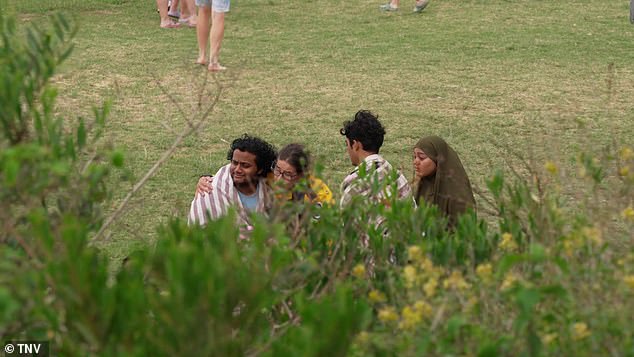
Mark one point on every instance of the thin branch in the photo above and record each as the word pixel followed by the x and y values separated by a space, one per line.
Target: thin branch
pixel 438 316
pixel 494 210
pixel 175 103
pixel 283 328
pixel 166 155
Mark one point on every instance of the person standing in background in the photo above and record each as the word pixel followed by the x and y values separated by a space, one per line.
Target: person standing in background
pixel 211 11
pixel 166 22
pixel 187 14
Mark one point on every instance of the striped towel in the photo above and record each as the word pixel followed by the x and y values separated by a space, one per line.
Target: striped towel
pixel 224 195
pixel 377 168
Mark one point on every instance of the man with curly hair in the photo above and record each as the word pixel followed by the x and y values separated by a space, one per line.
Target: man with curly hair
pixel 240 184
pixel 364 138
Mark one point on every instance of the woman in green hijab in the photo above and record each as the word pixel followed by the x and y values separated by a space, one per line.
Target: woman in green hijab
pixel 440 179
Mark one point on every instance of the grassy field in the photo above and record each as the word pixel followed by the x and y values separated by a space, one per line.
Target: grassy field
pixel 542 78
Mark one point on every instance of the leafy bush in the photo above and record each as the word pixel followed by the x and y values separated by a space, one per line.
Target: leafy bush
pixel 553 277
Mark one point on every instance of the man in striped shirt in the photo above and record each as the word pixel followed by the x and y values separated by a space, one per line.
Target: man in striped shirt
pixel 373 177
pixel 240 184
pixel 373 180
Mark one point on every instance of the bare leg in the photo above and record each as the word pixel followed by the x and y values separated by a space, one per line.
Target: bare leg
pixel 165 20
pixel 188 12
pixel 173 9
pixel 202 33
pixel 395 3
pixel 217 33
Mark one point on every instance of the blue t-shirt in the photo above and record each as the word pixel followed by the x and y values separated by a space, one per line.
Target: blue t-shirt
pixel 250 203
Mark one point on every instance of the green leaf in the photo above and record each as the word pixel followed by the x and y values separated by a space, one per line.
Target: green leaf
pixel 81 134
pixel 508 262
pixel 11 169
pixel 58 29
pixel 527 298
pixel 537 253
pixel 489 350
pixel 496 184
pixel 555 289
pixel 562 264
pixel 60 168
pixel 454 324
pixel 67 52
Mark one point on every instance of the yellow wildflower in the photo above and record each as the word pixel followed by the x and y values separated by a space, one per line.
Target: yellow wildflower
pixel 593 234
pixel 359 271
pixel 508 243
pixel 388 314
pixel 410 276
pixel 551 167
pixel 580 330
pixel 509 280
pixel 626 153
pixel 484 272
pixel 629 281
pixel 568 247
pixel 376 296
pixel 430 287
pixel 415 254
pixel 456 281
pixel 628 213
pixel 548 338
pixel 426 265
pixel 423 308
pixel 624 171
pixel 410 318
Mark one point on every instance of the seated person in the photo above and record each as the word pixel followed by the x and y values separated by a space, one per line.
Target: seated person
pixel 440 179
pixel 291 166
pixel 364 138
pixel 240 184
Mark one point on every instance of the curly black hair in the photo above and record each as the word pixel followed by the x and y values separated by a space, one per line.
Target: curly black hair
pixel 264 152
pixel 297 156
pixel 366 129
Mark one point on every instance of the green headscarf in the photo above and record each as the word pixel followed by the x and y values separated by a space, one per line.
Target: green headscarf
pixel 449 187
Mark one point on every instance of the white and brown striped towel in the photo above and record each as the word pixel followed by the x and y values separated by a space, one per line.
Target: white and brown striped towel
pixel 224 195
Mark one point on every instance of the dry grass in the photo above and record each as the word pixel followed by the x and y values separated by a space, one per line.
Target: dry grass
pixel 544 78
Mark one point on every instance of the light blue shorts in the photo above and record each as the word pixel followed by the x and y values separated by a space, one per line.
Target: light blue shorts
pixel 216 5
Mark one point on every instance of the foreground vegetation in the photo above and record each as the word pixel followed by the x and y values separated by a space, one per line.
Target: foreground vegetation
pixel 550 276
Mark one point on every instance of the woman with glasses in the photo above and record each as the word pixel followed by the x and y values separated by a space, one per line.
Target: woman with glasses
pixel 292 166
pixel 290 178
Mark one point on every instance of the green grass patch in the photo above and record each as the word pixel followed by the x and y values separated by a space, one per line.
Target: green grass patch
pixel 543 78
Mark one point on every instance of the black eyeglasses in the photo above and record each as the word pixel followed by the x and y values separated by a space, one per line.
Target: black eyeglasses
pixel 287 175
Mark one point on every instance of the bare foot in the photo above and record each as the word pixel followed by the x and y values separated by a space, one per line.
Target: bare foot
pixel 201 60
pixel 216 67
pixel 170 25
pixel 189 22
